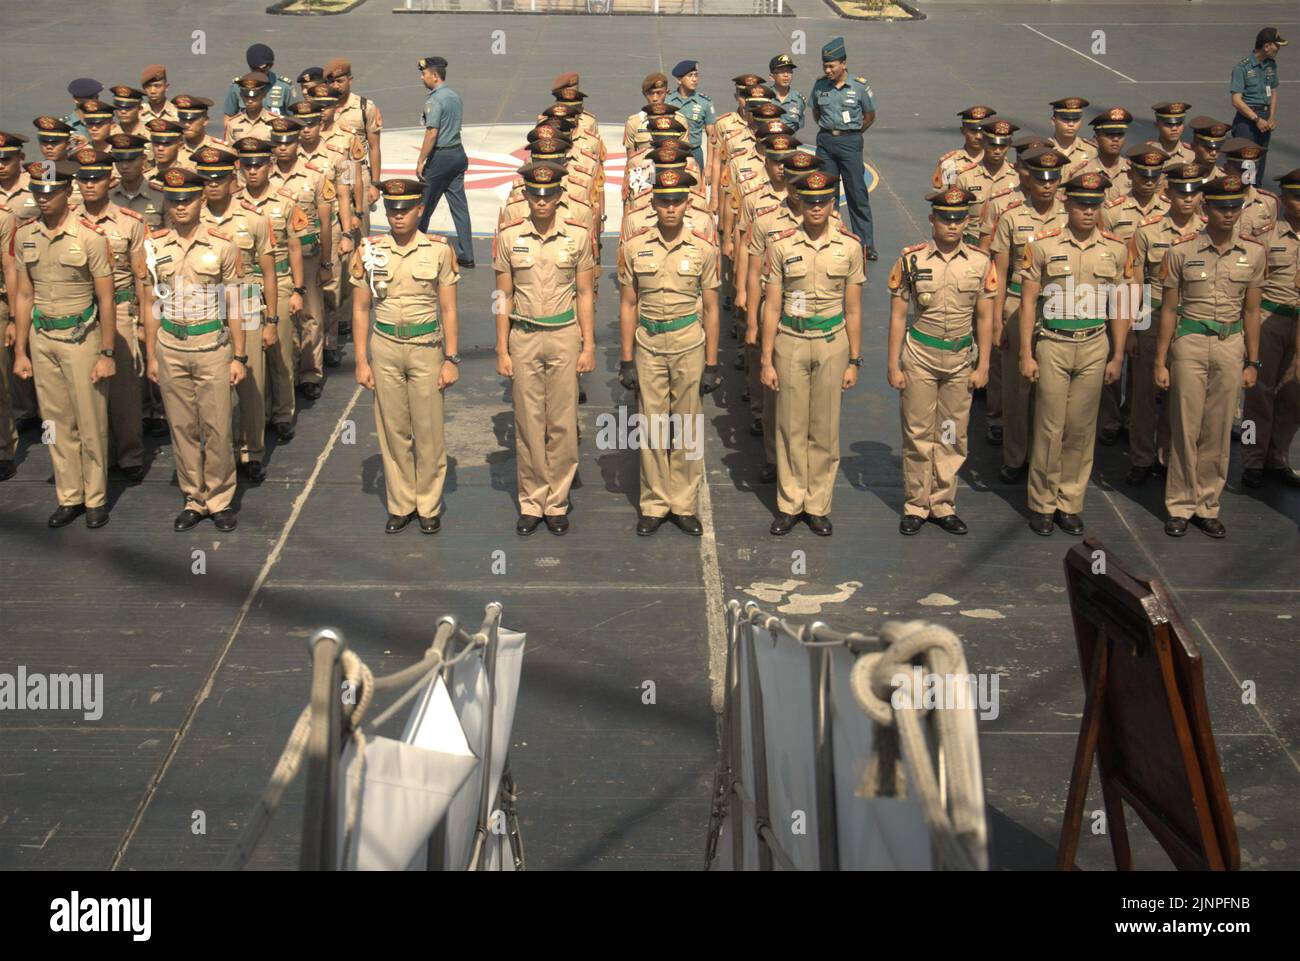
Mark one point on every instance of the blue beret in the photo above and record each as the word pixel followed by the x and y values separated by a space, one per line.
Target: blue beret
pixel 259 54
pixel 685 67
pixel 83 88
pixel 834 50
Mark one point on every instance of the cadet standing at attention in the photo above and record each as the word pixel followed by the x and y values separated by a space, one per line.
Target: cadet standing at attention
pixel 811 350
pixel 194 355
pixel 1171 118
pixel 1273 404
pixel 969 153
pixel 254 120
pixel 409 356
pixel 1208 136
pixel 1208 350
pixel 843 109
pixel 669 278
pixel 358 115
pixel 1067 115
pixel 64 290
pixel 950 283
pixel 156 106
pixel 1069 360
pixel 1245 159
pixel 545 337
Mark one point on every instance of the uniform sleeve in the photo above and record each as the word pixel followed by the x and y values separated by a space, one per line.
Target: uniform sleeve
pixel 586 251
pixel 1002 234
pixel 432 114
pixel 1031 264
pixel 1173 269
pixel 757 241
pixel 773 266
pixel 625 275
pixel 447 272
pixel 990 287
pixel 356 271
pixel 134 237
pixel 709 279
pixel 897 288
pixel 857 273
pixel 262 238
pixel 1261 270
pixel 373 121
pixel 1238 84
pixel 500 253
pixel 710 115
pixel 868 102
pixel 98 257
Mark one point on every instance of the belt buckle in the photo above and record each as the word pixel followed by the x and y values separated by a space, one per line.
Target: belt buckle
pixel 798 325
pixel 182 331
pixel 400 331
pixel 1082 334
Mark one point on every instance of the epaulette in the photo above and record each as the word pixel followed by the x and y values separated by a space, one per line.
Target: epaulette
pixel 221 234
pixel 913 249
pixel 1266 193
pixel 861 80
pixel 754 186
pixel 575 223
pixel 312 166
pixel 1245 61
pixel 1185 238
pixel 1153 219
pixel 970 166
pixel 848 233
pixel 4 206
pixel 1090 141
pixel 703 236
pixel 24 223
pixel 1114 202
pixel 588 153
pixel 1266 229
pixel 336 149
pixel 1001 193
pixel 160 232
pixel 93 226
pixel 1045 234
pixel 747 175
pixel 131 213
pixel 1109 236
pixel 789 231
pixel 638 232
pixel 1012 206
pixel 951 153
pixel 436 238
pixel 705 96
pixel 574 198
pixel 513 223
pixel 1253 240
pixel 250 206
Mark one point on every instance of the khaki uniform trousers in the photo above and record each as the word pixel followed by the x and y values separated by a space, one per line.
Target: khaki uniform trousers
pixel 336 295
pixel 1274 402
pixel 309 327
pixel 1109 415
pixel 1148 432
pixel 196 392
pixel 280 363
pixel 762 402
pixel 1070 375
pixel 1205 376
pixel 935 402
pixel 545 393
pixel 668 386
pixel 20 394
pixel 78 413
pixel 810 372
pixel 250 420
pixel 8 431
pixel 408 417
pixel 1017 392
pixel 124 403
pixel 994 393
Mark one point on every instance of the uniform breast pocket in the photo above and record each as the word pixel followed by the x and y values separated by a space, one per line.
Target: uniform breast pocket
pixel 837 267
pixel 72 258
pixel 29 255
pixel 1058 268
pixel 1241 273
pixel 968 284
pixel 426 273
pixel 690 266
pixel 795 270
pixel 522 259
pixel 647 274
pixel 1105 270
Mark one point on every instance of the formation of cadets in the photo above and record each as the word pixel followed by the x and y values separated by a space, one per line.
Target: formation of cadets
pixel 1025 289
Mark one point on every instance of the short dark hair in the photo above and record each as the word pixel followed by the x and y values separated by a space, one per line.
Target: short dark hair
pixel 438 65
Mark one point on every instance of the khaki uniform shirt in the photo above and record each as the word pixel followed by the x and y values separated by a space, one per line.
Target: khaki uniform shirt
pixel 569 208
pixel 946 287
pixel 1260 209
pixel 635 134
pixel 183 157
pixel 1079 154
pixel 8 224
pixel 250 231
pixel 1020 224
pixel 306 186
pixel 997 204
pixel 148 202
pixel 343 148
pixel 984 185
pixel 62 263
pixel 643 199
pixel 814 274
pixel 1282 278
pixel 241 125
pixel 125 231
pixel 1212 284
pixel 1182 153
pixel 1123 215
pixel 404 281
pixel 950 164
pixel 193 276
pixel 744 172
pixel 352 119
pixel 635 220
pixel 1096 262
pixel 669 278
pixel 1154 237
pixel 1120 175
pixel 543 267
pixel 770 222
pixel 168 112
pixel 19 198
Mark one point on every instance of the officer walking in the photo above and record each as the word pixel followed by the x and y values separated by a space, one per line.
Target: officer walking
pixel 668 327
pixel 409 356
pixel 811 350
pixel 545 336
pixel 64 290
pixel 843 109
pixel 1254 91
pixel 1067 278
pixel 949 282
pixel 442 158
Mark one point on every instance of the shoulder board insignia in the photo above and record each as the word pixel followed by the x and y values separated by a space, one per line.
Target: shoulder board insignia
pixel 913 248
pixel 220 233
pixel 575 199
pixel 861 80
pixel 93 226
pixel 765 210
pixel 249 206
pixel 1109 236
pixel 747 175
pixel 1253 240
pixel 703 96
pixel 848 233
pixel 1185 238
pixel 131 213
pixel 970 166
pixel 575 223
pixel 587 153
pixel 4 207
pixel 437 238
pixel 788 232
pixel 1115 201
pixel 757 185
pixel 703 236
pixel 972 247
pixel 1001 193
pixel 1266 193
pixel 160 232
pixel 1013 205
pixel 1091 142
pixel 312 166
pixel 1046 233
pixel 639 231
pixel 1153 219
pixel 949 155
pixel 1245 61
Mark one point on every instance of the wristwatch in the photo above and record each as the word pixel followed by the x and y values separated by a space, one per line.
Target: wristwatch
pixel 242 358
pixel 453 359
pixel 327 264
pixel 855 361
pixel 107 352
pixel 300 291
pixel 1257 364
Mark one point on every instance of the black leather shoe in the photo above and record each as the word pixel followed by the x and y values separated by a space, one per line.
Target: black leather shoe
pixel 96 517
pixel 283 431
pixel 134 473
pixel 1284 475
pixel 647 525
pixel 467 264
pixel 397 522
pixel 526 524
pixel 1159 469
pixel 756 427
pixel 952 524
pixel 1176 526
pixel 993 434
pixel 1070 523
pixel 186 520
pixel 1137 475
pixel 739 363
pixel 430 525
pixel 311 391
pixel 66 515
pixel 582 396
pixel 557 523
pixel 1011 475
pixel 256 472
pixel 819 524
pixel 871 254
pixel 156 427
pixel 1107 438
pixel 24 424
pixel 1252 477
pixel 7 469
pixel 910 524
pixel 1211 526
pixel 225 520
pixel 1041 524
pixel 687 524
pixel 333 358
pixel 783 524
pixel 768 474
